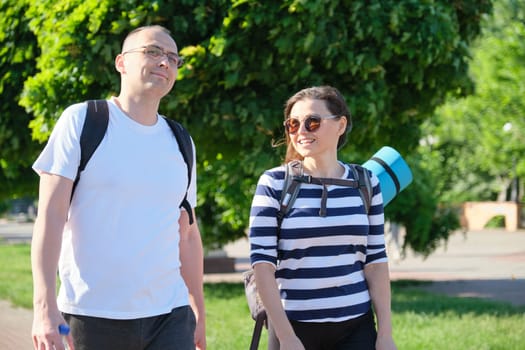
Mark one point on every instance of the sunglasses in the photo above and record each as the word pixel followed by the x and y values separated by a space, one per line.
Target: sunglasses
pixel 311 123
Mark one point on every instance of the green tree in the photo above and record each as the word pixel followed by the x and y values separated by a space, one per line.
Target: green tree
pixel 18 51
pixel 394 60
pixel 481 138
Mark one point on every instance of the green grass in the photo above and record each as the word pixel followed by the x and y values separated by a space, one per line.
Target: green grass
pixel 15 275
pixel 421 320
pixel 427 321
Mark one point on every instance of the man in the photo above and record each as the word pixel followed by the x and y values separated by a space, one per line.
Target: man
pixel 130 263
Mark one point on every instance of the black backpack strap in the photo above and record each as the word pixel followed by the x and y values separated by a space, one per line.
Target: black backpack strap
pixel 325 181
pixel 294 176
pixel 186 148
pixel 362 175
pixel 292 183
pixel 93 131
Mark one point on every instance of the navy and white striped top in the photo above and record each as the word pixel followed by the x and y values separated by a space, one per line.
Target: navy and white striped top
pixel 321 259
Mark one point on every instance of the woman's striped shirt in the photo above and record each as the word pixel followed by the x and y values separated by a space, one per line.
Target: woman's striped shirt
pixel 319 260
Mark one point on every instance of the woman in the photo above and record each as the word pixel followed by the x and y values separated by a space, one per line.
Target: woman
pixel 321 277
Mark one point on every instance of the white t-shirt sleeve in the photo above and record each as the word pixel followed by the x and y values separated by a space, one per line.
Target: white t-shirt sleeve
pixel 61 155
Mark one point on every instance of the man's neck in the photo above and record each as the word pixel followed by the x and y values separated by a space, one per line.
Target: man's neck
pixel 142 110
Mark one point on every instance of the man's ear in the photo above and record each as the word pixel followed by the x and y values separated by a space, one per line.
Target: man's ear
pixel 119 64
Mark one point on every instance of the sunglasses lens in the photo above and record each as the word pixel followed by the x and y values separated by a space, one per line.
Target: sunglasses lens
pixel 312 123
pixel 292 125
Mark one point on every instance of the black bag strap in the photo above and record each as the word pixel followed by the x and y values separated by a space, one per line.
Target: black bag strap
pixel 257 330
pixel 93 131
pixel 186 148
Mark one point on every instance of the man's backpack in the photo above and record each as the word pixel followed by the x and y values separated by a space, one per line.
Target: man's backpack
pixel 293 179
pixel 94 129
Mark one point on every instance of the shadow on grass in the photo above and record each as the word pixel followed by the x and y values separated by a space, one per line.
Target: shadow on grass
pixel 457 297
pixel 421 296
pixel 223 290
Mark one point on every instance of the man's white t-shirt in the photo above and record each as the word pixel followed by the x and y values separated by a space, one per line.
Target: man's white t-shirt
pixel 120 249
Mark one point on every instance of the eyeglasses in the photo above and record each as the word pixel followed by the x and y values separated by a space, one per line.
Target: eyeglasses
pixel 156 52
pixel 311 123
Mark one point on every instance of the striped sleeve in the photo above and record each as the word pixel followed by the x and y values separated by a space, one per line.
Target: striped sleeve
pixel 376 250
pixel 263 217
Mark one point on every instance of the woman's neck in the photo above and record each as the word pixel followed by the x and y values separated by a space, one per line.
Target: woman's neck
pixel 327 168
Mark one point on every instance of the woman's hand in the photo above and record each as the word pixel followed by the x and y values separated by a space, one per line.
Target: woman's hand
pixel 385 343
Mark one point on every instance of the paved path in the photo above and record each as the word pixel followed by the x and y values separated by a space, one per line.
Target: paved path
pixel 15 327
pixel 486 264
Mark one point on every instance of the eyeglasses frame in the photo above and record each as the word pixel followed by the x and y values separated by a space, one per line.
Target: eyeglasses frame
pixel 167 54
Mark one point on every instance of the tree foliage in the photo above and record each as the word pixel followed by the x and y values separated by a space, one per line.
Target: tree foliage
pixel 394 60
pixel 481 138
pixel 18 51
